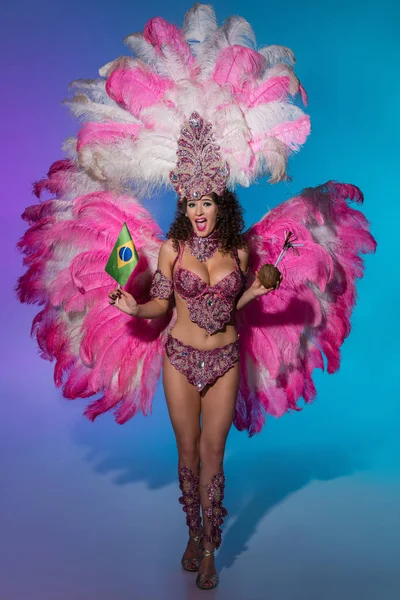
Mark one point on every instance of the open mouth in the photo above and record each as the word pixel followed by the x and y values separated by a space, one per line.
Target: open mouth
pixel 201 224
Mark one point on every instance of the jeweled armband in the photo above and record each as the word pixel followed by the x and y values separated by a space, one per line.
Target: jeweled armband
pixel 161 286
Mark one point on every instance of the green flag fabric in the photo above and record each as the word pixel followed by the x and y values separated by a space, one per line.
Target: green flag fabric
pixel 123 258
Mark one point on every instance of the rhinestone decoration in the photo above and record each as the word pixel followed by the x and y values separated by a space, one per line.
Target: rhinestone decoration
pixel 199 169
pixel 201 367
pixel 190 499
pixel 210 306
pixel 161 286
pixel 203 248
pixel 215 513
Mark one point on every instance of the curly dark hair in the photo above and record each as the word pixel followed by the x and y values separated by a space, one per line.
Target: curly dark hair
pixel 230 223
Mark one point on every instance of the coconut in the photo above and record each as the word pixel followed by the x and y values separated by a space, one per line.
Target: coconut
pixel 269 276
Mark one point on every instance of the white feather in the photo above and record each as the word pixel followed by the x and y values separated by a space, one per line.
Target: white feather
pixel 142 49
pixel 215 96
pixel 200 22
pixel 271 159
pixel 95 89
pixel 189 97
pixel 86 110
pixel 239 32
pixel 127 62
pixel 275 54
pixel 174 66
pixel 283 70
pixel 264 117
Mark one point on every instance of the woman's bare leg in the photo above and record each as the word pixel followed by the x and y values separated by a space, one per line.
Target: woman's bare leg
pixel 183 401
pixel 218 407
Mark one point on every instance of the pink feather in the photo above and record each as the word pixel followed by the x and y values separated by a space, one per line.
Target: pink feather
pixel 159 33
pixel 276 88
pixel 293 133
pixel 136 89
pixel 236 66
pixel 285 332
pixel 93 344
pixel 105 133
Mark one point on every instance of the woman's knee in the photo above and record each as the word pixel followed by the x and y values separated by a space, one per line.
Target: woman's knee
pixel 188 451
pixel 212 451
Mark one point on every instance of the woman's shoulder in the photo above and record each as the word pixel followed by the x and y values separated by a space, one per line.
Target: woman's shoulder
pixel 168 249
pixel 243 256
pixel 243 252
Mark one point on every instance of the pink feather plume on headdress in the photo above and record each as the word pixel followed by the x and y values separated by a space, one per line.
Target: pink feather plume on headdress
pixel 215 71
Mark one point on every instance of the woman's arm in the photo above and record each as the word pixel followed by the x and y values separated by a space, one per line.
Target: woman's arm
pixel 157 306
pixel 160 302
pixel 254 291
pixel 245 298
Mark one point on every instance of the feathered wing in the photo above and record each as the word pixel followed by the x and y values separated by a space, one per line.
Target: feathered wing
pixel 284 334
pixel 97 348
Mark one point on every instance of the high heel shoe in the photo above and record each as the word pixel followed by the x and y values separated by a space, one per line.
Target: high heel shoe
pixel 214 517
pixel 192 564
pixel 207 582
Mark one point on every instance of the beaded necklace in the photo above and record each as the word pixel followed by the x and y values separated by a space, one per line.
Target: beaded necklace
pixel 203 248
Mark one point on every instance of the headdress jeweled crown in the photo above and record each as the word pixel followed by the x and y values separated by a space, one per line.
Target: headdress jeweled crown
pixel 200 169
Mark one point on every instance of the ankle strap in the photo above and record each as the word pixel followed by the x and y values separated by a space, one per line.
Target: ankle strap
pixel 205 552
pixel 196 538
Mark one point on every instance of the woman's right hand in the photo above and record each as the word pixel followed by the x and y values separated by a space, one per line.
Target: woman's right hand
pixel 124 301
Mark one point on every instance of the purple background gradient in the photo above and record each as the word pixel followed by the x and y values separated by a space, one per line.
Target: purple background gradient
pixel 89 511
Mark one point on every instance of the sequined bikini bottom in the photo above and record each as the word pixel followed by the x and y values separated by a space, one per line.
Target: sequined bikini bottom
pixel 201 367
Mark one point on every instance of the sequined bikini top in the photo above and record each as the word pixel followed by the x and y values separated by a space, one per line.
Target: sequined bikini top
pixel 210 306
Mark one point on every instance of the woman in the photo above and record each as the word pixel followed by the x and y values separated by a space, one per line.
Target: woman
pixel 200 100
pixel 203 264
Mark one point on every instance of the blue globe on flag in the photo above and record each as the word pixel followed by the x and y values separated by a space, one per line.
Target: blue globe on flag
pixel 125 253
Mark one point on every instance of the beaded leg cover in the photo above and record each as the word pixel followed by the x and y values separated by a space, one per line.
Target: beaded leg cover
pixel 214 517
pixel 190 500
pixel 215 513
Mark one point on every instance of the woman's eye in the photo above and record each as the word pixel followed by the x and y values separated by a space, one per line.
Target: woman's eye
pixel 191 205
pixel 207 204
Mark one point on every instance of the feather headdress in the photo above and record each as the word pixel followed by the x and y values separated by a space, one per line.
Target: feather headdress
pixel 135 113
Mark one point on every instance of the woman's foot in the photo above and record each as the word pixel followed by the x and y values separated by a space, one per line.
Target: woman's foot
pixel 207 578
pixel 191 557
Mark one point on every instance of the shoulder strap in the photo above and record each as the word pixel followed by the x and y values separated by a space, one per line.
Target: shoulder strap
pixel 236 257
pixel 181 251
pixel 178 256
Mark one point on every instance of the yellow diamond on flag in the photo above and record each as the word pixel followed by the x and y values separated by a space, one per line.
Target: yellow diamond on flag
pixel 125 254
pixel 123 258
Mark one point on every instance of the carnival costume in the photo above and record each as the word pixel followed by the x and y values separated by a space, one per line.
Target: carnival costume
pixel 200 109
pixel 210 307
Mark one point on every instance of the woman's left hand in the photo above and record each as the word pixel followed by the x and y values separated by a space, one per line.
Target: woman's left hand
pixel 259 290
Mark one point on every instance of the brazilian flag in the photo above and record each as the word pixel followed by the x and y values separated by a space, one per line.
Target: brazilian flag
pixel 123 258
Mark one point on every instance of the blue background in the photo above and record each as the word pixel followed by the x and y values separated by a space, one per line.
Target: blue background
pixel 89 511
